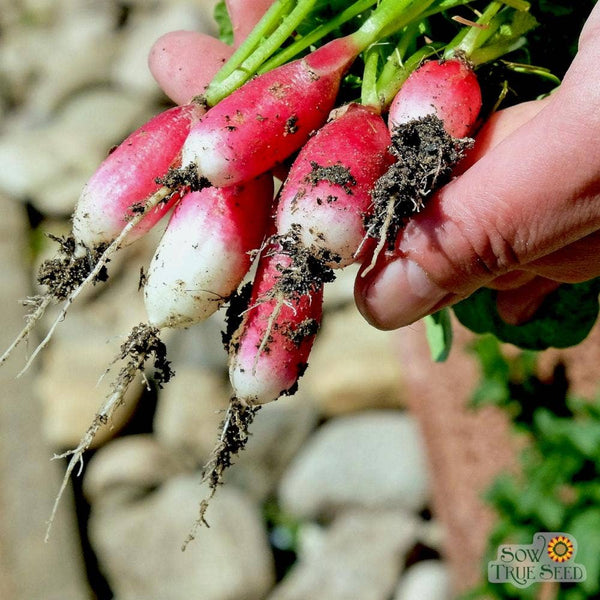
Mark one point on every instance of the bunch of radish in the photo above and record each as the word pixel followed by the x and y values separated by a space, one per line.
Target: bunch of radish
pixel 354 182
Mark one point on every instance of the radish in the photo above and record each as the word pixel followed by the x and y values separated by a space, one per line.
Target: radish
pixel 448 89
pixel 116 191
pixel 120 202
pixel 269 118
pixel 244 16
pixel 439 102
pixel 270 347
pixel 205 251
pixel 328 188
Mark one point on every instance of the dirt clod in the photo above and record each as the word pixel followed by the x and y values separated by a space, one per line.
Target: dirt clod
pixel 426 155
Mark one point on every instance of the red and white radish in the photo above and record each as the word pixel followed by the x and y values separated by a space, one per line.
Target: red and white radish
pixel 126 178
pixel 270 348
pixel 244 16
pixel 269 118
pixel 327 191
pixel 439 102
pixel 205 251
pixel 184 63
pixel 448 89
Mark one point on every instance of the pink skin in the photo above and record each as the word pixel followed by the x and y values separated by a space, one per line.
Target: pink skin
pixel 205 251
pixel 526 210
pixel 448 89
pixel 184 63
pixel 269 118
pixel 244 15
pixel 330 215
pixel 265 363
pixel 126 178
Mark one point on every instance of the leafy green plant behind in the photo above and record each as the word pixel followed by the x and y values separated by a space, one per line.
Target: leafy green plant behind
pixel 558 487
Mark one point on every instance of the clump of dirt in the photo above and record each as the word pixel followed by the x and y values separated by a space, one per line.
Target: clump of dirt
pixel 307 328
pixel 425 155
pixel 65 273
pixel 237 305
pixel 337 174
pixel 143 343
pixel 308 271
pixel 183 177
pixel 291 125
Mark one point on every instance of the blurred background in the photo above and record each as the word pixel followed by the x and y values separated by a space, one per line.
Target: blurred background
pixel 387 476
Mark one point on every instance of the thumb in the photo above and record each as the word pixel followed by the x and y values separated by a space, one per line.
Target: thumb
pixel 524 198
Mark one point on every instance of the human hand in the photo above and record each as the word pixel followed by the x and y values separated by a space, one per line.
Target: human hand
pixel 523 217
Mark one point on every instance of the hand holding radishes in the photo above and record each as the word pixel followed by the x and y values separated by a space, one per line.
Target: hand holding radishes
pixel 351 188
pixel 525 214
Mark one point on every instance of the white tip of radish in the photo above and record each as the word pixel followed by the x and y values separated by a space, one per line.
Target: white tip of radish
pixel 253 387
pixel 205 150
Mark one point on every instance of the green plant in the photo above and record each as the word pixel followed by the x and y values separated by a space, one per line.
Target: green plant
pixel 557 488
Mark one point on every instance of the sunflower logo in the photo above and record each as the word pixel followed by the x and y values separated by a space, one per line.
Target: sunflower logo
pixel 560 548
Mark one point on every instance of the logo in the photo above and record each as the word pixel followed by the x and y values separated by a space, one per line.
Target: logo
pixel 550 557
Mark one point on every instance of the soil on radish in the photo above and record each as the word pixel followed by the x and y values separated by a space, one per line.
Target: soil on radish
pixel 425 155
pixel 65 273
pixel 142 343
pixel 183 177
pixel 336 174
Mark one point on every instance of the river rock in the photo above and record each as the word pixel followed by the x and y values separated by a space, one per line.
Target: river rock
pixel 360 558
pixel 352 366
pixel 372 459
pixel 429 579
pixel 139 545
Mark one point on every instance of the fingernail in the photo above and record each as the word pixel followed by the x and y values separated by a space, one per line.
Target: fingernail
pixel 401 294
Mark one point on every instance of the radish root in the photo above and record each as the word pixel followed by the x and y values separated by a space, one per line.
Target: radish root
pixel 233 439
pixel 141 344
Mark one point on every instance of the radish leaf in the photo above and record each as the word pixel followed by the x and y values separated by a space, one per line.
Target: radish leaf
pixel 564 319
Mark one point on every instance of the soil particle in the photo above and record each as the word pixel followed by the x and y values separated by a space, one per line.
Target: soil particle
pixel 291 126
pixel 337 174
pixel 183 177
pixel 65 273
pixel 426 155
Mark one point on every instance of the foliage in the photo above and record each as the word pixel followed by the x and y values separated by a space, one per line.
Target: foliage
pixel 557 488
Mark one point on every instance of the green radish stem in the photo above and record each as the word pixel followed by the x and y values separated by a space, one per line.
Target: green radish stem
pixel 317 34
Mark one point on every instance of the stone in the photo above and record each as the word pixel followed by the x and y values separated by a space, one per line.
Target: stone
pixel 128 466
pixel 351 367
pixel 189 411
pixel 373 459
pixel 29 568
pixel 138 544
pixel 359 558
pixel 428 579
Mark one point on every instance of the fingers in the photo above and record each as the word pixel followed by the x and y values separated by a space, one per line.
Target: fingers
pixel 517 306
pixel 244 16
pixel 184 62
pixel 529 195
